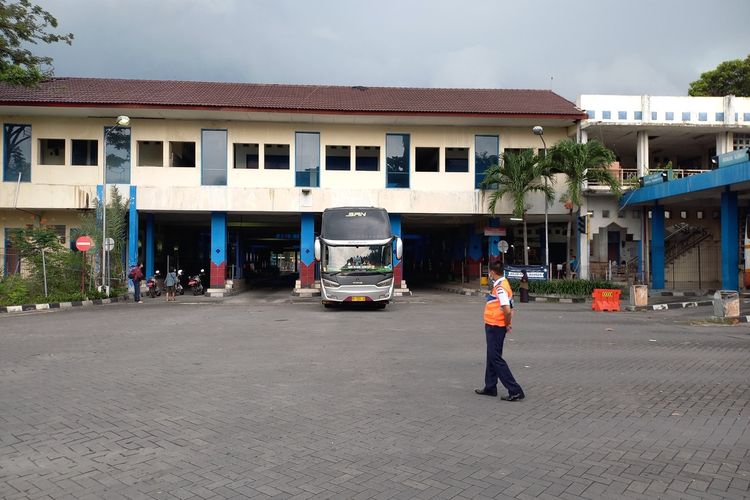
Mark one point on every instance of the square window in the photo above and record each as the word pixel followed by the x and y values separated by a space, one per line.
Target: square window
pixel 746 117
pixel 84 152
pixel 246 156
pixel 686 116
pixel 605 214
pixel 52 152
pixel 699 214
pixel 669 116
pixel 367 158
pixel 150 153
pixel 276 156
pixel 606 115
pixel 720 117
pixel 653 115
pixel 181 154
pixel 622 115
pixel 338 158
pixel 592 114
pixel 427 160
pixel 683 214
pixel 621 214
pixel 60 230
pixel 456 159
pixel 702 117
pixel 638 115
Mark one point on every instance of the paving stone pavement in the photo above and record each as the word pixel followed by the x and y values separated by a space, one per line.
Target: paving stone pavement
pixel 258 396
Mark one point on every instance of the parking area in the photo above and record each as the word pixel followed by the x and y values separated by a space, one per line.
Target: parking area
pixel 263 396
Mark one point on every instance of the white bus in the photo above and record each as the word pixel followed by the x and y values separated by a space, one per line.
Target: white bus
pixel 355 251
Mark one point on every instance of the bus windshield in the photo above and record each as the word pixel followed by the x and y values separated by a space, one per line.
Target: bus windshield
pixel 357 259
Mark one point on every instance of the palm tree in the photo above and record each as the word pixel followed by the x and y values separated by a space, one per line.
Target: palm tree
pixel 581 163
pixel 517 175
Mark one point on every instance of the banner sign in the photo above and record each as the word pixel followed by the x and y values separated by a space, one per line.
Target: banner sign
pixel 494 231
pixel 535 273
pixel 733 157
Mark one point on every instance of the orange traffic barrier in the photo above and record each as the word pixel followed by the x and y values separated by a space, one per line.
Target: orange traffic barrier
pixel 606 299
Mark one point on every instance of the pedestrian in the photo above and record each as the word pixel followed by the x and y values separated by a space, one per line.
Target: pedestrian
pixel 136 274
pixel 170 281
pixel 524 286
pixel 498 317
pixel 572 267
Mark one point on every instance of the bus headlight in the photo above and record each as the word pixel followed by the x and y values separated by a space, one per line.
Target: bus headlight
pixel 385 282
pixel 330 283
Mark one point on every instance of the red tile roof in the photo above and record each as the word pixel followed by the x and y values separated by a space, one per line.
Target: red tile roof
pixel 102 92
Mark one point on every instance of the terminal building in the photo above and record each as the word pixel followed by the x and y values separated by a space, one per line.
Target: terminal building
pixel 234 177
pixel 693 218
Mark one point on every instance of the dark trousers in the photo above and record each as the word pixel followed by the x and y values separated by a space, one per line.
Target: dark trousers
pixel 137 290
pixel 497 368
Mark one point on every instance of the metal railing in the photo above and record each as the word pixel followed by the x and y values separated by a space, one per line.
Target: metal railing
pixel 628 177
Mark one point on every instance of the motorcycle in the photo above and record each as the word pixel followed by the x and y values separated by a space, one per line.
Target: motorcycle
pixel 194 282
pixel 178 288
pixel 152 287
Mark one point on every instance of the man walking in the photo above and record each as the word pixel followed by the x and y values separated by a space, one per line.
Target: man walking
pixel 497 322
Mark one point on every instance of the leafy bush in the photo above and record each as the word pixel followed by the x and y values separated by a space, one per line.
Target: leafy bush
pixel 566 288
pixel 13 291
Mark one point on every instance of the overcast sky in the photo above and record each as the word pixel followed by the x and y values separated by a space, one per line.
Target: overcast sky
pixel 573 47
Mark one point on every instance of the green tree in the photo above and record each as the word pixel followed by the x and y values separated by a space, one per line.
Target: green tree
pixel 581 163
pixel 516 176
pixel 117 229
pixel 729 78
pixel 22 24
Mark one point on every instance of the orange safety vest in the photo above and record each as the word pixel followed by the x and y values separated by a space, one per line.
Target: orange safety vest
pixel 493 313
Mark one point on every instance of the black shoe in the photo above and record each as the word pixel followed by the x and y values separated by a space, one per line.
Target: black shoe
pixel 513 397
pixel 485 392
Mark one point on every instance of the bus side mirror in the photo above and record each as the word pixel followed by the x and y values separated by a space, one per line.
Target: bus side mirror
pixel 317 249
pixel 399 248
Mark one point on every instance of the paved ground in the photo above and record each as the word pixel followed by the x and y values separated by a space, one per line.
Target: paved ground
pixel 257 397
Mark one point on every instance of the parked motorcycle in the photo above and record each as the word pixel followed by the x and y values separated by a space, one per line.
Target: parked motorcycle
pixel 152 286
pixel 178 288
pixel 194 282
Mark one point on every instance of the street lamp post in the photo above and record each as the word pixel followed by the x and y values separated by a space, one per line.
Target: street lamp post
pixel 539 130
pixel 122 121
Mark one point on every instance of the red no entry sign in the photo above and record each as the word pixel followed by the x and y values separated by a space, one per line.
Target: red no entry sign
pixel 84 243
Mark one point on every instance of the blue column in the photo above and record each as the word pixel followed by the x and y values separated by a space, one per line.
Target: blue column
pixel 492 250
pixel 133 230
pixel 218 271
pixel 307 250
pixel 149 245
pixel 730 230
pixel 398 269
pixel 657 247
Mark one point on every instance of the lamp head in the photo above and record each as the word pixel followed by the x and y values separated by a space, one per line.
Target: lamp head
pixel 123 121
pixel 538 130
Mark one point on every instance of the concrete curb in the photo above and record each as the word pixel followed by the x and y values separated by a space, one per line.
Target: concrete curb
pixel 673 305
pixel 532 298
pixel 62 305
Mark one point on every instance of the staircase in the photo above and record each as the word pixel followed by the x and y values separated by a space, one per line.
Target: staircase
pixel 682 239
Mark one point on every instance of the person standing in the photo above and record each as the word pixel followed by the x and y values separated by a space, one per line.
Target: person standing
pixel 170 281
pixel 136 274
pixel 524 286
pixel 498 317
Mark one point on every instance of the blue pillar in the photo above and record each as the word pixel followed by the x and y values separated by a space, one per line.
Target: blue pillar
pixel 149 245
pixel 657 247
pixel 133 230
pixel 398 268
pixel 307 250
pixel 493 251
pixel 218 271
pixel 730 230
